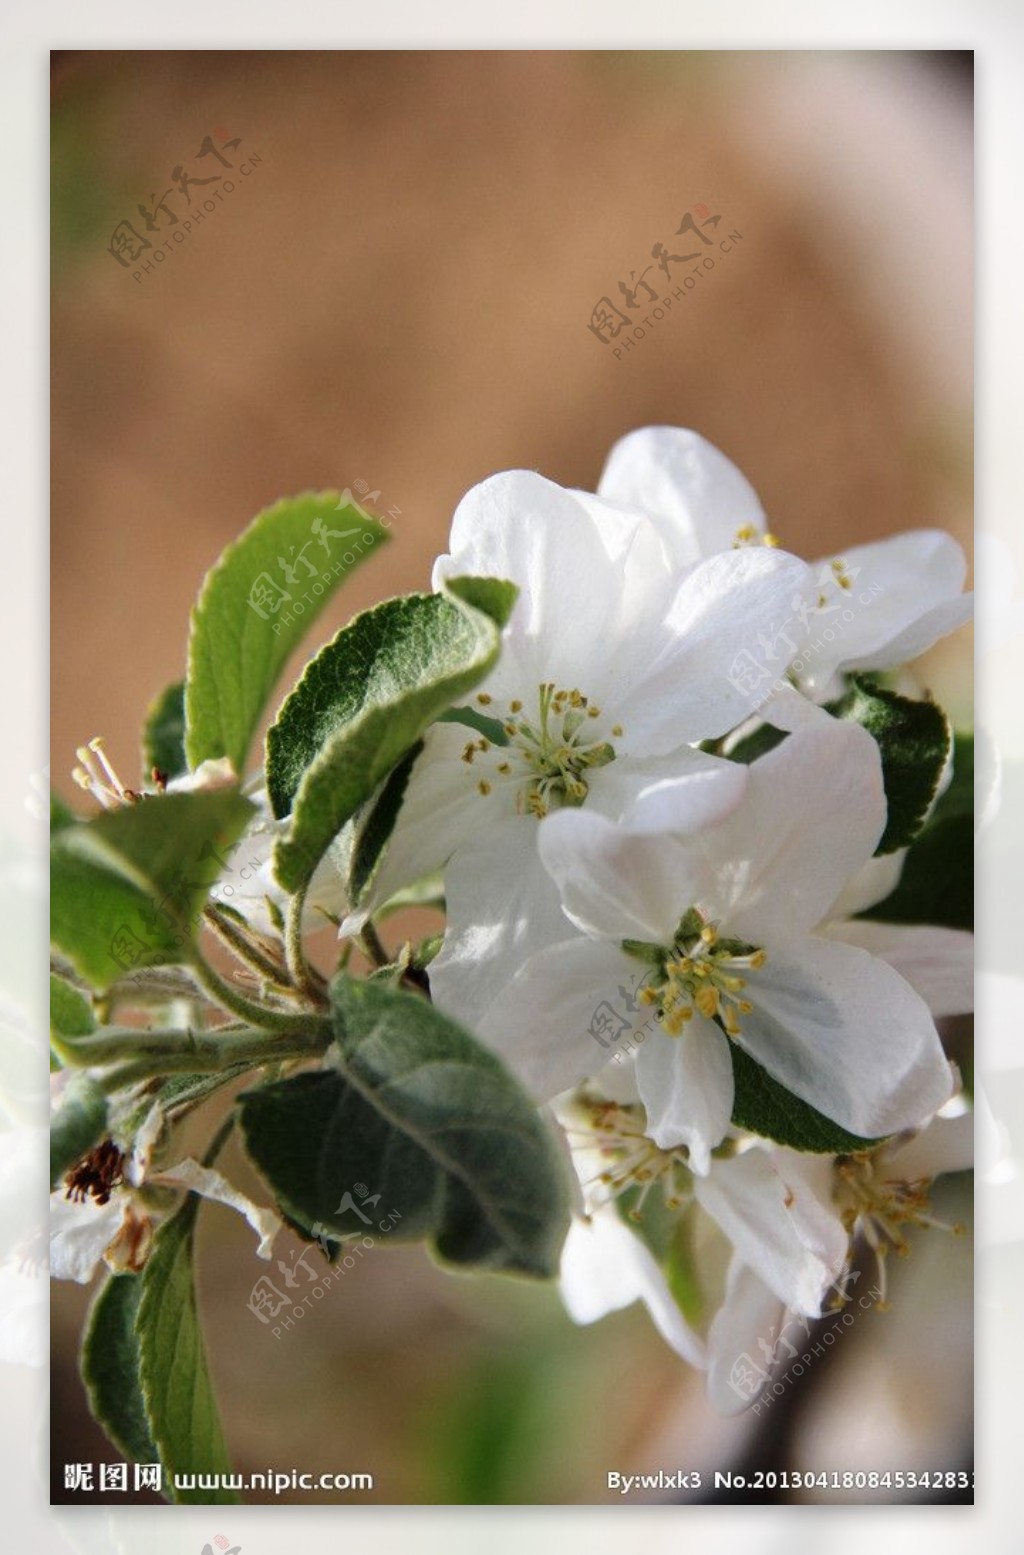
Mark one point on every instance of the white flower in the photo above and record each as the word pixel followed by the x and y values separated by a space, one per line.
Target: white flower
pixel 721 917
pixel 97 776
pixel 884 603
pixel 762 1198
pixel 247 881
pixel 99 1213
pixel 878 1194
pixel 613 663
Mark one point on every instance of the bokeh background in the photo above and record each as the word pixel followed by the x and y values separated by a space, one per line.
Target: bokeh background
pixel 396 299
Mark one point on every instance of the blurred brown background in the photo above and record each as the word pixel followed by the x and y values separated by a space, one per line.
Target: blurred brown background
pixel 397 294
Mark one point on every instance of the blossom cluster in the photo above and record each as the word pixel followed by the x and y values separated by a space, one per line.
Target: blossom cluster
pixel 630 911
pixel 667 822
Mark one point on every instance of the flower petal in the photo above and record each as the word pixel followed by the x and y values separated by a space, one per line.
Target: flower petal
pixel 686 1086
pixel 567 564
pixel 937 963
pixel 741 1340
pixel 441 810
pixel 918 577
pixel 605 1268
pixel 872 883
pixel 212 1185
pixel 813 812
pixel 693 492
pixel 80 1233
pixel 502 908
pixel 562 1016
pixel 946 1145
pixel 694 688
pixel 778 1224
pixel 843 1031
pixel 614 882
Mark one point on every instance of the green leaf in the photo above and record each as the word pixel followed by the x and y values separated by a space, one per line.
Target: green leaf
pixel 163 734
pixel 71 1016
pixel 765 1107
pixel 128 888
pixel 110 1368
pixel 437 1085
pixel 244 628
pixel 78 1125
pixel 914 739
pixel 958 797
pixel 373 827
pixel 495 597
pixel 491 728
pixel 758 743
pixel 936 884
pixel 184 1091
pixel 175 1378
pixel 361 705
pixel 70 1012
pixel 61 815
pixel 424 1122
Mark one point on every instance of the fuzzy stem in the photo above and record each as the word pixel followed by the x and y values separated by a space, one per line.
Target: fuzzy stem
pixel 373 945
pixel 230 999
pixel 245 948
pixel 294 953
pixel 188 1052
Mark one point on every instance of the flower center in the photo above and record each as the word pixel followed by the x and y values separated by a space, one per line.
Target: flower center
pixel 880 1208
pixel 96 1175
pixel 749 534
pixel 699 972
pixel 547 756
pixel 616 1132
pixel 96 775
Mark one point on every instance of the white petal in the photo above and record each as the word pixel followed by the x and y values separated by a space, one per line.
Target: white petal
pixel 614 882
pixel 81 1232
pixel 142 1149
pixel 631 879
pixel 210 774
pixel 946 1145
pixel 212 1185
pixel 686 1086
pixel 846 1033
pixel 684 483
pixel 937 963
pixel 695 688
pixel 519 526
pixel 605 1268
pixel 442 809
pixel 684 791
pixel 502 907
pixel 742 1340
pixel 777 1224
pixel 873 882
pixel 905 595
pixel 564 1015
pixel 813 812
pixel 785 707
